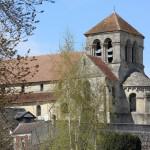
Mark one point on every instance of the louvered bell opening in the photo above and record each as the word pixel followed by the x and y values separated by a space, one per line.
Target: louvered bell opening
pixel 109 56
pixel 98 51
pixel 109 50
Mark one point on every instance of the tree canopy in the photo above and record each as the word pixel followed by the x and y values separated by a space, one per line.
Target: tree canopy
pixel 17 21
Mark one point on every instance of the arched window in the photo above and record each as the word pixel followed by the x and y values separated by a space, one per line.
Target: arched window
pixel 132 102
pixel 22 89
pixel 54 119
pixel 86 89
pixel 97 47
pixel 127 51
pixel 109 50
pixel 41 87
pixel 22 143
pixel 38 110
pixel 134 51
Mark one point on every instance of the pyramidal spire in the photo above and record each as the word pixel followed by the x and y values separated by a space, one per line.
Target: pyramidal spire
pixel 113 23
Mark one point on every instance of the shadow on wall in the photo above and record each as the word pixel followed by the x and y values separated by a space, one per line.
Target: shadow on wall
pixel 122 112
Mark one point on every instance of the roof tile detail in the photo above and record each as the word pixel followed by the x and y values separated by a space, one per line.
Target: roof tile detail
pixel 113 23
pixel 33 97
pixel 137 79
pixel 28 128
pixel 42 68
pixel 103 67
pixel 52 68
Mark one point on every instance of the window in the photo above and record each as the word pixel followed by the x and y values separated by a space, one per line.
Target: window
pixel 132 102
pixel 87 90
pixel 54 117
pixel 41 87
pixel 22 88
pixel 38 110
pixel 134 51
pixel 126 53
pixel 113 95
pixel 127 50
pixel 147 106
pixel 3 89
pixel 147 96
pixel 113 92
pixel 22 143
pixel 97 47
pixel 109 50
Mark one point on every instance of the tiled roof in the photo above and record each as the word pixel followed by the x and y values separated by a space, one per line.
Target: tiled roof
pixel 40 68
pixel 137 79
pixel 103 67
pixel 52 68
pixel 27 128
pixel 113 23
pixel 24 115
pixel 33 97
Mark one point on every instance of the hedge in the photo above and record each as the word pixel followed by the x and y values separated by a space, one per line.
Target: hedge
pixel 116 141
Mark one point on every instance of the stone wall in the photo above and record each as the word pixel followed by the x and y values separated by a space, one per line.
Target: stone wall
pixel 119 66
pixel 142 131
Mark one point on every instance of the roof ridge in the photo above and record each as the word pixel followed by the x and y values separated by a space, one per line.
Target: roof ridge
pixel 103 67
pixel 117 20
pixel 137 79
pixel 113 23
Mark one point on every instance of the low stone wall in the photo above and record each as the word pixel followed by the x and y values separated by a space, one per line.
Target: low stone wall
pixel 142 131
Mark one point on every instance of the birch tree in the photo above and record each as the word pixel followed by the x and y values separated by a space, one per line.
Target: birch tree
pixel 82 104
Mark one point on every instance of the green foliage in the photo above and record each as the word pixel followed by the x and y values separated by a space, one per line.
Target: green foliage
pixel 64 108
pixel 6 142
pixel 82 104
pixel 116 141
pixel 61 140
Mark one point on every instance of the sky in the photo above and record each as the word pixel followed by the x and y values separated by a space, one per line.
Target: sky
pixel 78 16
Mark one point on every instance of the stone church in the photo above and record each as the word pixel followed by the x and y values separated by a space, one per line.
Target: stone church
pixel 114 51
pixel 120 46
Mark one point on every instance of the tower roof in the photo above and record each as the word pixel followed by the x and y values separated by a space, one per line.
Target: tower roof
pixel 113 23
pixel 137 79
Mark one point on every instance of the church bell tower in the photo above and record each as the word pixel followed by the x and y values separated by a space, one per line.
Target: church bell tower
pixel 118 44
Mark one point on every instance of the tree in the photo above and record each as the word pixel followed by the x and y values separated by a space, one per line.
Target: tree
pixel 81 104
pixel 17 22
pixel 18 19
pixel 82 108
pixel 5 139
pixel 68 42
pixel 120 141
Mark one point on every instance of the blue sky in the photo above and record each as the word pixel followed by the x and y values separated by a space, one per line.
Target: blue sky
pixel 78 16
